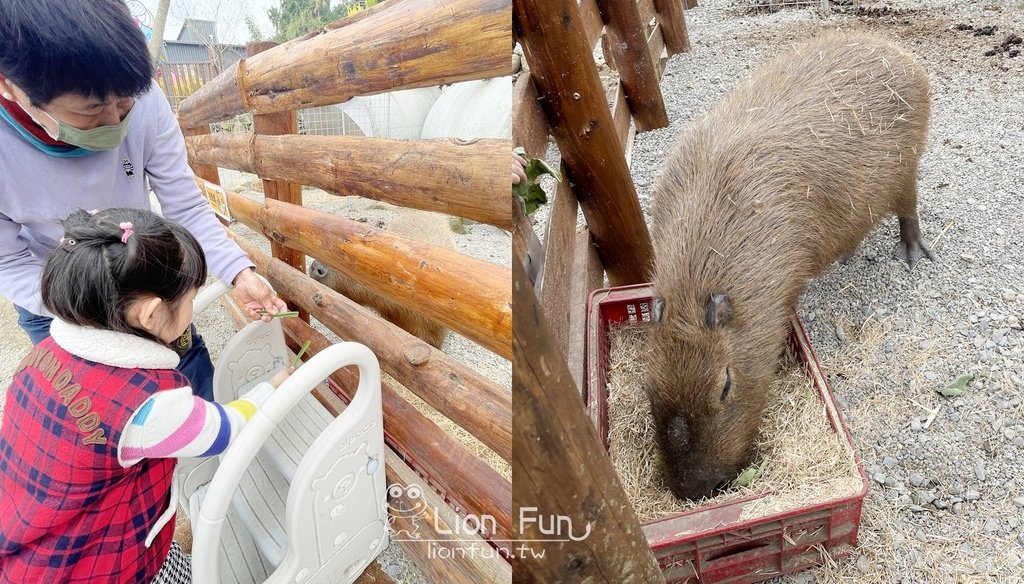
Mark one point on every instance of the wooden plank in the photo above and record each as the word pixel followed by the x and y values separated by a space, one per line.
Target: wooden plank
pixel 594 160
pixel 558 262
pixel 648 14
pixel 407 44
pixel 460 476
pixel 461 394
pixel 627 42
pixel 468 295
pixel 587 277
pixel 673 25
pixel 466 178
pixel 562 472
pixel 529 126
pixel 286 122
pixel 593 26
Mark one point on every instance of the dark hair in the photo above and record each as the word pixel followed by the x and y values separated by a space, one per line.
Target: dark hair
pixel 91 278
pixel 87 47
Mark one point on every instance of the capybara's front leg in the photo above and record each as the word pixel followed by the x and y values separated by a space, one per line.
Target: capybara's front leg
pixel 910 248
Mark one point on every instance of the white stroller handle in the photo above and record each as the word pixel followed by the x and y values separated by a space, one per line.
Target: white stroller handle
pixel 255 433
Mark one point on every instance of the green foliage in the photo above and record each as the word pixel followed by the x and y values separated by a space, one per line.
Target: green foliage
pixel 532 195
pixel 958 387
pixel 295 18
pixel 255 34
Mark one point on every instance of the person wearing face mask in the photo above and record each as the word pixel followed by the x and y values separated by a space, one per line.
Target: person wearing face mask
pixel 84 126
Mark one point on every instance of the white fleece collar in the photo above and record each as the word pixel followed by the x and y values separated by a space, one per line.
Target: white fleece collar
pixel 112 348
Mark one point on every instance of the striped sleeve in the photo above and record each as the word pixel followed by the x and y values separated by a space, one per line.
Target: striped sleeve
pixel 176 424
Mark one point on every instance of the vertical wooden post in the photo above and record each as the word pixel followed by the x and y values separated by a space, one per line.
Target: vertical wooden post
pixel 560 469
pixel 673 24
pixel 574 101
pixel 286 122
pixel 627 43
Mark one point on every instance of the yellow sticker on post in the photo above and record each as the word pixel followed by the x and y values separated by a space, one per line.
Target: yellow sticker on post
pixel 218 199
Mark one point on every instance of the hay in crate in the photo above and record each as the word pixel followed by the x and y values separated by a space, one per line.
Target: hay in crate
pixel 807 462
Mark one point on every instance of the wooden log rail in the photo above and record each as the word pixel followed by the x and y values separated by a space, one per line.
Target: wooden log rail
pixel 468 295
pixel 461 477
pixel 401 44
pixel 457 177
pixel 458 392
pixel 562 471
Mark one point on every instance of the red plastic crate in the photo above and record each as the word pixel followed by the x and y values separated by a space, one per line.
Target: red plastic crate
pixel 717 545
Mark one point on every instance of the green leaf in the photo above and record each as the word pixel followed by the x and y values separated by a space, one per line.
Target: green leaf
pixel 958 387
pixel 750 475
pixel 302 351
pixel 532 195
pixel 285 314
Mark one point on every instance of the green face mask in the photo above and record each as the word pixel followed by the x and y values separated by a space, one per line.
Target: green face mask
pixel 101 138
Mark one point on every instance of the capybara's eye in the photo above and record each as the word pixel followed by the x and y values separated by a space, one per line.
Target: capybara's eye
pixel 728 384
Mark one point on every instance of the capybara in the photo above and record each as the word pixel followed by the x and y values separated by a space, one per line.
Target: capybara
pixel 422 226
pixel 787 174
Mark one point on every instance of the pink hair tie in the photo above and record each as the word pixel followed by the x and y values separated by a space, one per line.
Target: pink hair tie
pixel 128 229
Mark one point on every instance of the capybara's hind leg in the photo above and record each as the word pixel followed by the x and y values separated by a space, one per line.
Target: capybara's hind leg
pixel 910 247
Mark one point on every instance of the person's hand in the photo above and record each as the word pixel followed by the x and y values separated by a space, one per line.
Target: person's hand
pixel 518 170
pixel 256 295
pixel 280 376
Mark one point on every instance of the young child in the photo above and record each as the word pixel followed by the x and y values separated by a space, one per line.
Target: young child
pixel 96 414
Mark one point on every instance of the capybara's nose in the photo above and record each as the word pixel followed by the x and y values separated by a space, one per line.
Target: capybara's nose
pixel 703 484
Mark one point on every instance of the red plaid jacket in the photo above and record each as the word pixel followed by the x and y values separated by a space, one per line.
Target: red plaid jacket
pixel 68 511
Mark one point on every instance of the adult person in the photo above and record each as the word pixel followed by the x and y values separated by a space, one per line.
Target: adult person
pixel 84 126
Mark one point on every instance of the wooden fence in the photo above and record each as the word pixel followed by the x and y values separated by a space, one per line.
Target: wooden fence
pixel 400 44
pixel 560 466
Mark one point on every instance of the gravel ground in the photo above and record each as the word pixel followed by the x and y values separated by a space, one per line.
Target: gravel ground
pixel 946 501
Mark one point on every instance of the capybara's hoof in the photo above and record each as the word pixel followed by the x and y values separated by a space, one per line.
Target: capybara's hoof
pixel 912 251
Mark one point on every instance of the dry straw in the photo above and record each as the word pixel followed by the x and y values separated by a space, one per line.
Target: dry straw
pixel 806 462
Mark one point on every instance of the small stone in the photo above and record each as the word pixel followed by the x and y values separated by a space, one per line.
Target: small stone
pixel 1000 231
pixel 393 570
pixel 931 375
pixel 924 497
pixel 920 536
pixel 957 508
pixel 941 504
pixel 972 495
pixel 1010 296
pixel 864 564
pixel 967 257
pixel 879 478
pixel 1019 502
pixel 889 462
pixel 917 479
pixel 1020 539
pixel 916 424
pixel 992 525
pixel 840 333
pixel 981 567
pixel 979 471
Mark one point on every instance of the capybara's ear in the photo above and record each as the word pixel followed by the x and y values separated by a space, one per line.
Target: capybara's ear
pixel 718 312
pixel 657 310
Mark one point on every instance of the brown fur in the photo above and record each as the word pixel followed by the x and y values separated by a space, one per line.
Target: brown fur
pixel 426 227
pixel 789 172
